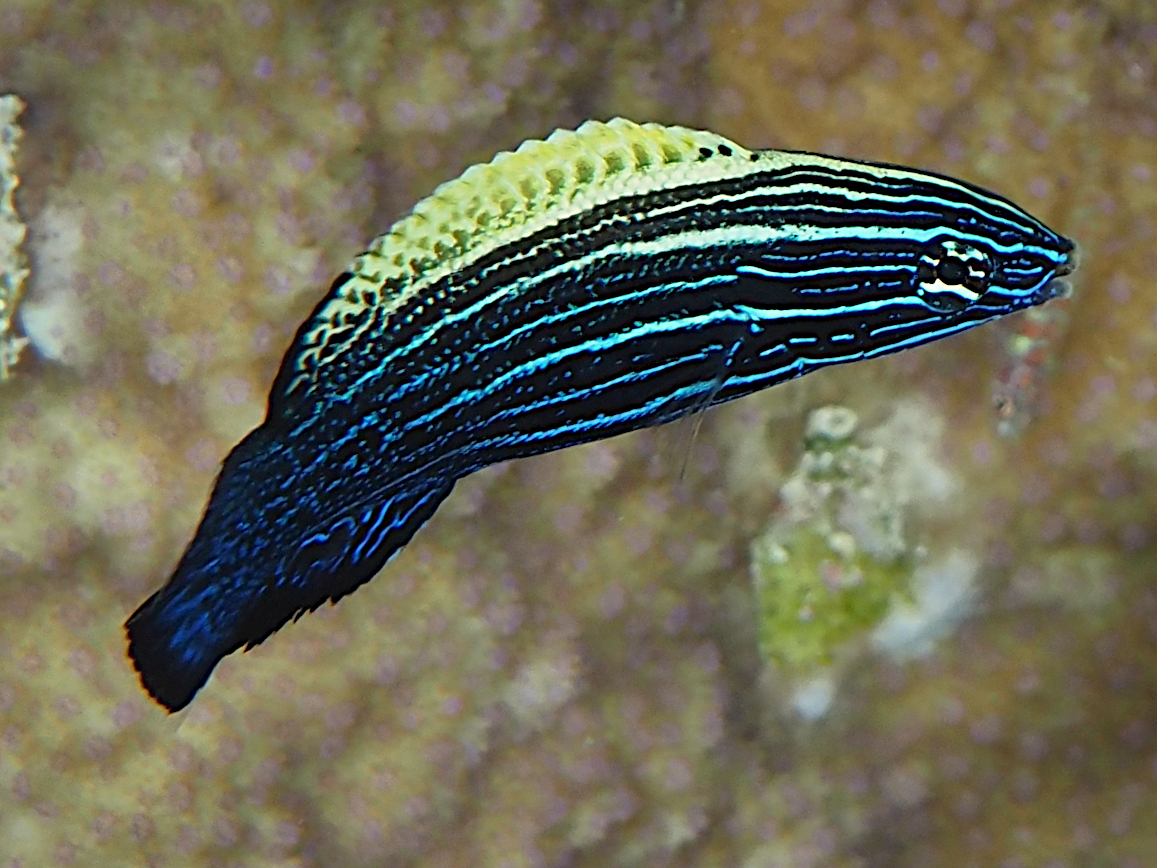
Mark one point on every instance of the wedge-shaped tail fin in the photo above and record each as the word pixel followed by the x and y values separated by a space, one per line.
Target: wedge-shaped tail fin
pixel 212 605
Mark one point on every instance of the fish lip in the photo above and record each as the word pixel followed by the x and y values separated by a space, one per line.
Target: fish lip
pixel 1056 286
pixel 1070 261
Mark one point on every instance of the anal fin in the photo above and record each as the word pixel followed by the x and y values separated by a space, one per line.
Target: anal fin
pixel 344 556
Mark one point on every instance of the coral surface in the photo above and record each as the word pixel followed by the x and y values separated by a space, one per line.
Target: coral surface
pixel 13 265
pixel 563 668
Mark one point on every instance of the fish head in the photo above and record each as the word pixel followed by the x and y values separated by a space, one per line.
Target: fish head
pixel 953 257
pixel 975 277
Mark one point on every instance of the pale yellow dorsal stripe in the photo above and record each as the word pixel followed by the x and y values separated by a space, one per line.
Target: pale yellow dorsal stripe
pixel 516 194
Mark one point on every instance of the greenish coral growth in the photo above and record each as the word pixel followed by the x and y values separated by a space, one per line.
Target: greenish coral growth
pixel 814 599
pixel 836 559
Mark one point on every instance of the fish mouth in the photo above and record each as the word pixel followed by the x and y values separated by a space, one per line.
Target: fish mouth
pixel 1057 286
pixel 1072 258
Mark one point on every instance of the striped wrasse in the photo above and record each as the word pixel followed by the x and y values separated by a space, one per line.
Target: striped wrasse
pixel 603 280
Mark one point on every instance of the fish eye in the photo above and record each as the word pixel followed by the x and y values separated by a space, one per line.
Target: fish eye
pixel 951 275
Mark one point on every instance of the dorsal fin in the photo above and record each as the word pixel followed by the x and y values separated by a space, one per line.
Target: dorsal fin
pixel 491 204
pixel 539 183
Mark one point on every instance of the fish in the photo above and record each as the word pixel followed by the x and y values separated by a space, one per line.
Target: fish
pixel 598 281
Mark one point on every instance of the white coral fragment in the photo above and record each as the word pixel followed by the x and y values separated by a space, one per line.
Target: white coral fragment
pixel 52 314
pixel 945 593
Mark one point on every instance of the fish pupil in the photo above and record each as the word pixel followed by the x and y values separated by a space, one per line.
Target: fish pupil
pixel 952 271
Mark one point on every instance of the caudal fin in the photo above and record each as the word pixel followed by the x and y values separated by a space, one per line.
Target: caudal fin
pixel 173 663
pixel 218 601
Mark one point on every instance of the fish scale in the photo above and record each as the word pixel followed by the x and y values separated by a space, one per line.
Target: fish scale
pixel 599 281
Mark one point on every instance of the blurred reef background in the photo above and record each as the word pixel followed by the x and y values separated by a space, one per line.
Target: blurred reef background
pixel 876 635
